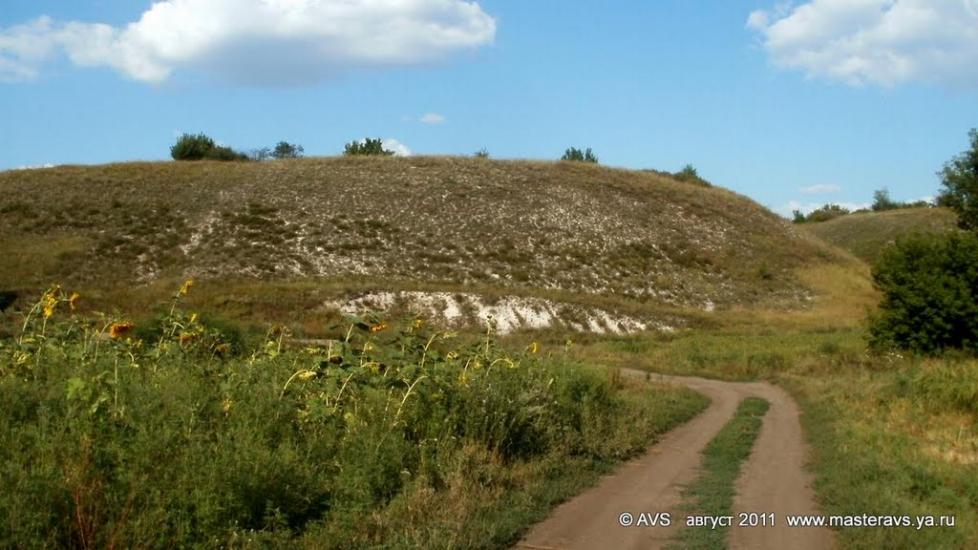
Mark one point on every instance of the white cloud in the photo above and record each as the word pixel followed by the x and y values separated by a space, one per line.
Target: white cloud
pixel 432 118
pixel 268 42
pixel 806 208
pixel 884 42
pixel 400 150
pixel 823 189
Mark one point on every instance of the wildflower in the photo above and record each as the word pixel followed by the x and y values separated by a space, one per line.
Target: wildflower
pixel 49 302
pixel 118 330
pixel 193 318
pixel 306 375
pixel 378 327
pixel 185 288
pixel 226 404
pixel 452 355
pixel 186 338
pixel 73 300
pixel 534 348
pixel 222 349
pixel 418 324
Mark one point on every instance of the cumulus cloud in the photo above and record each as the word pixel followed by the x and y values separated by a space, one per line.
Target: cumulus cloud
pixel 882 42
pixel 400 150
pixel 822 189
pixel 277 42
pixel 432 118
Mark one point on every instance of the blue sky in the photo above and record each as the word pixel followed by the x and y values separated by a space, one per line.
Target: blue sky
pixel 792 105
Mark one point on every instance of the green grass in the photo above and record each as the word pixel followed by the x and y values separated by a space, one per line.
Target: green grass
pixel 891 435
pixel 391 437
pixel 865 235
pixel 712 493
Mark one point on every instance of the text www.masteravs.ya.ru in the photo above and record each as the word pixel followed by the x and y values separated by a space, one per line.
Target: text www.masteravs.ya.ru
pixel 918 522
pixel 750 520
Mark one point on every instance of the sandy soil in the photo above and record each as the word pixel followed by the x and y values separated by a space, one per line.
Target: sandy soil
pixel 773 480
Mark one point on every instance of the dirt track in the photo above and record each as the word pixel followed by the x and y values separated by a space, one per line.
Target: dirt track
pixel 772 480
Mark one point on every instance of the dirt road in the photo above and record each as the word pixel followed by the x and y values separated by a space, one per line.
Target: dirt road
pixel 773 480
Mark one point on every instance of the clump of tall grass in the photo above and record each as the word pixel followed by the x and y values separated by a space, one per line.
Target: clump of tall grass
pixel 108 439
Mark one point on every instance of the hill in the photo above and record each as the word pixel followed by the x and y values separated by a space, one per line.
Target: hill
pixel 269 239
pixel 865 235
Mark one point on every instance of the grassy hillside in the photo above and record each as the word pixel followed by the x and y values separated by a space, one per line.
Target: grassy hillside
pixel 310 230
pixel 866 235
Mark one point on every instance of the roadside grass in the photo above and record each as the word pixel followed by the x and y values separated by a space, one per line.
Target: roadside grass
pixel 396 436
pixel 891 435
pixel 712 494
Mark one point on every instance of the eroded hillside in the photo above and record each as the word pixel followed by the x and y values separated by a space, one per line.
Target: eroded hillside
pixel 567 227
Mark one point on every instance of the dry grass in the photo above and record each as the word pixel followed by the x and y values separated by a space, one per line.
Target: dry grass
pixel 866 235
pixel 519 226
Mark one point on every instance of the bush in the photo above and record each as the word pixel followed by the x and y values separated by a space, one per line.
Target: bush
pixel 286 150
pixel 823 214
pixel 576 155
pixel 960 180
pixel 200 146
pixel 689 175
pixel 191 147
pixel 930 294
pixel 482 153
pixel 367 147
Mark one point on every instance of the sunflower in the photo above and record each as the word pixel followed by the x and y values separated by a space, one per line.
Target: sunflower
pixel 185 288
pixel 378 327
pixel 73 300
pixel 119 330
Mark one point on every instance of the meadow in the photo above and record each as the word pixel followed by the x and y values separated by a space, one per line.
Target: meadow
pixel 396 435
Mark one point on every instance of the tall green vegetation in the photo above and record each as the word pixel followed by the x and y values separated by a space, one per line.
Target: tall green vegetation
pixel 367 147
pixel 576 155
pixel 930 294
pixel 202 147
pixel 822 214
pixel 177 439
pixel 286 150
pixel 960 180
pixel 930 283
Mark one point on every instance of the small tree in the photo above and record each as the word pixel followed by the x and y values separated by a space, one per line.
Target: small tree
pixel 882 201
pixel 192 147
pixel 797 216
pixel 482 153
pixel 367 147
pixel 930 294
pixel 286 150
pixel 576 155
pixel 960 180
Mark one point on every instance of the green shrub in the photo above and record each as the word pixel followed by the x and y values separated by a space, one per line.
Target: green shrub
pixel 930 294
pixel 576 155
pixel 689 175
pixel 367 147
pixel 960 180
pixel 823 214
pixel 200 147
pixel 286 150
pixel 191 147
